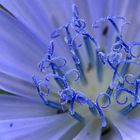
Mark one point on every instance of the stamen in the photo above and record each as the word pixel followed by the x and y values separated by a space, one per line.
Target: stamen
pixel 93 110
pixel 46 101
pixel 89 51
pixel 75 11
pixel 130 79
pixel 72 46
pixel 72 105
pixel 136 96
pixel 99 67
pixel 125 66
pixel 117 47
pixel 78 117
pixel 81 70
pixel 111 19
pixel 93 40
pixel 121 54
pixel 54 105
pixel 55 63
pixel 119 91
pixel 72 74
pixel 128 109
pixel 105 95
pixel 64 80
pixel 109 92
pixel 76 56
pixel 104 122
pixel 77 23
pixel 93 105
pixel 134 50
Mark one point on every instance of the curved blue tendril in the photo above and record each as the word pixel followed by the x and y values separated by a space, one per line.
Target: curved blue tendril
pixel 75 11
pixel 56 33
pixel 111 19
pixel 117 92
pixel 107 98
pixel 119 34
pixel 92 107
pixel 116 73
pixel 56 76
pixel 67 94
pixel 81 98
pixel 130 79
pixel 69 72
pixel 47 102
pixel 134 45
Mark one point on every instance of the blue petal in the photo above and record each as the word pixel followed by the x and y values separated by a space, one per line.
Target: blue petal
pixel 129 129
pixel 13 107
pixel 92 130
pixel 127 126
pixel 20 49
pixel 35 128
pixel 18 86
pixel 40 16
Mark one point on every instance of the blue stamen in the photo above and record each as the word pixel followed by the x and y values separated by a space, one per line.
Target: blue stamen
pixel 93 105
pixel 104 122
pixel 78 117
pixel 82 74
pixel 53 105
pixel 125 67
pixel 72 46
pixel 117 46
pixel 77 23
pixel 99 67
pixel 98 109
pixel 72 105
pixel 67 94
pixel 93 110
pixel 93 40
pixel 119 91
pixel 75 11
pixel 72 71
pixel 128 109
pixel 62 80
pixel 136 101
pixel 105 95
pixel 111 20
pixel 80 98
pixel 114 24
pixel 55 69
pixel 130 79
pixel 89 51
pixel 117 74
pixel 136 96
pixel 49 103
pixel 37 85
pixel 76 56
pixel 109 92
pixel 134 45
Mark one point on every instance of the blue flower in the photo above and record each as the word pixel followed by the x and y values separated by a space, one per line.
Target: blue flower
pixel 86 83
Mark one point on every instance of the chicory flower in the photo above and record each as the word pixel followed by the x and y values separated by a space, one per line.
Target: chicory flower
pixel 89 73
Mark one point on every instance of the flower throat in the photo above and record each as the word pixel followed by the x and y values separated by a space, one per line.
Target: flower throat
pixel 120 80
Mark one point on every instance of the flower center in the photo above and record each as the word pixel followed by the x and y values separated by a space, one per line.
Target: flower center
pixel 85 89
